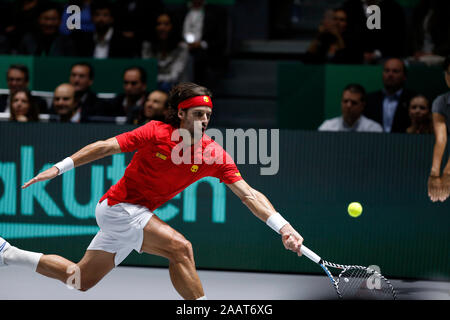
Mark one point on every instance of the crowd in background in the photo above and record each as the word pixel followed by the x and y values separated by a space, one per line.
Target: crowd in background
pixel 190 44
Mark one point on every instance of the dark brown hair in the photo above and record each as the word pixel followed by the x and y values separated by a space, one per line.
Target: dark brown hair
pixel 179 93
pixel 33 112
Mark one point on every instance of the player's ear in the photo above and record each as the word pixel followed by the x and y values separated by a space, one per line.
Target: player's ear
pixel 181 114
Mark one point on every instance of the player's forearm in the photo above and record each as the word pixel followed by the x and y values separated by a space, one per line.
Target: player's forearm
pixel 259 205
pixel 438 153
pixel 92 152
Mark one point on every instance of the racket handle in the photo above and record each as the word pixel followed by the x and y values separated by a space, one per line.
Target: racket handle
pixel 310 254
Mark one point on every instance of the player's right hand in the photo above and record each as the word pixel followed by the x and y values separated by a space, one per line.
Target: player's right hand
pixel 45 175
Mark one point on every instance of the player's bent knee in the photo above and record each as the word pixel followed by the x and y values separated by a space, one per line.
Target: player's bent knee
pixel 181 250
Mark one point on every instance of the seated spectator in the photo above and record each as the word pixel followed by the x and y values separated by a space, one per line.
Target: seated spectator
pixel 378 44
pixel 171 52
pixel 389 106
pixel 86 23
pixel 352 106
pixel 135 18
pixel 17 77
pixel 18 18
pixel 334 42
pixel 65 104
pixel 46 40
pixel 105 41
pixel 420 115
pixel 205 31
pixel 155 108
pixel 23 107
pixel 431 31
pixel 82 78
pixel 134 95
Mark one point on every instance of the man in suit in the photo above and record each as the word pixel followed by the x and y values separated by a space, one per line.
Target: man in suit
pixel 17 77
pixel 106 41
pixel 205 30
pixel 133 96
pixel 82 78
pixel 389 106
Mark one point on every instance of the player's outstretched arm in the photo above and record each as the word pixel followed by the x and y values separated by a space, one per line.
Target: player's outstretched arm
pixel 436 188
pixel 261 207
pixel 89 153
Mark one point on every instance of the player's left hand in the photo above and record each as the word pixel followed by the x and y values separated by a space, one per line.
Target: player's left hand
pixel 292 240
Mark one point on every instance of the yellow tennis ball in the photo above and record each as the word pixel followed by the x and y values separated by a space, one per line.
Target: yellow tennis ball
pixel 354 209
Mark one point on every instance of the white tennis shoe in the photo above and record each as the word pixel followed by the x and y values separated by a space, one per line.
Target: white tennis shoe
pixel 3 246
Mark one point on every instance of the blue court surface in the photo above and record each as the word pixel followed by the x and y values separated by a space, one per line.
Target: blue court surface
pixel 137 283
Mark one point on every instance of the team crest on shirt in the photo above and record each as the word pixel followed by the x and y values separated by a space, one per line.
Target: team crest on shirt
pixel 161 156
pixel 194 168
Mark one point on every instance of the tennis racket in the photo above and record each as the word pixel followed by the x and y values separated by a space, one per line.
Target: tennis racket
pixel 354 282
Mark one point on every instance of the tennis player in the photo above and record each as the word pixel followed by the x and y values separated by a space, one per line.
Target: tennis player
pixel 125 213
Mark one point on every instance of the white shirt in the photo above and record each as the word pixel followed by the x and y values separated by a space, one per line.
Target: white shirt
pixel 193 25
pixel 363 124
pixel 101 50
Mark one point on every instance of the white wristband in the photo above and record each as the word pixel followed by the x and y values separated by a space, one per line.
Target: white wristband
pixel 65 165
pixel 276 222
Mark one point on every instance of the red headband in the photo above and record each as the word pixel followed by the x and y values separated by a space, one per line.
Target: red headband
pixel 196 102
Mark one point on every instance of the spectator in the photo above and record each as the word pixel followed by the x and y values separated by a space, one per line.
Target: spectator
pixel 82 78
pixel 334 42
pixel 205 31
pixel 172 54
pixel 105 41
pixel 431 31
pixel 352 106
pixel 86 23
pixel 18 19
pixel 420 115
pixel 439 186
pixel 135 18
pixel 17 77
pixel 65 104
pixel 155 108
pixel 378 44
pixel 23 108
pixel 389 106
pixel 46 39
pixel 134 86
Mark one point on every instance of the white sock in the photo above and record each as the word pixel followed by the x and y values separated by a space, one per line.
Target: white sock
pixel 202 298
pixel 16 257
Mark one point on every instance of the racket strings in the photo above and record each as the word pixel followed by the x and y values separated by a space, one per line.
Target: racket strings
pixel 356 282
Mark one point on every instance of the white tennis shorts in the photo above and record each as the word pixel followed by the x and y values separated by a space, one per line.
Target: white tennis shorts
pixel 121 228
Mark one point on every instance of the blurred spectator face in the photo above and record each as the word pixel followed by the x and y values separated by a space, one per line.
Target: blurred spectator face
pixel 163 26
pixel 64 101
pixel 197 3
pixel 155 104
pixel 79 78
pixel 447 76
pixel 352 106
pixel 20 104
pixel 340 20
pixel 419 109
pixel 16 80
pixel 132 83
pixel 394 75
pixel 102 19
pixel 49 22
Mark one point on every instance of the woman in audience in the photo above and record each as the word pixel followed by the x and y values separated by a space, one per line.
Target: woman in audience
pixel 23 108
pixel 171 52
pixel 420 114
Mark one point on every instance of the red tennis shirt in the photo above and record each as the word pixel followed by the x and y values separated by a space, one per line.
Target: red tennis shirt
pixel 152 178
